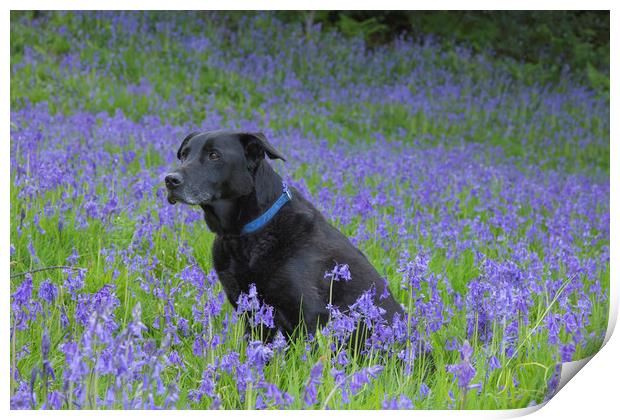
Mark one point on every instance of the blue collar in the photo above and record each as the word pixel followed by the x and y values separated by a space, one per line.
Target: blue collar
pixel 264 218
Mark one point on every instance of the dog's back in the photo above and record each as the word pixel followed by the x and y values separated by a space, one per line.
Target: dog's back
pixel 288 261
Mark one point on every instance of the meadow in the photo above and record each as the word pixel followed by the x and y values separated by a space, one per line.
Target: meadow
pixel 481 198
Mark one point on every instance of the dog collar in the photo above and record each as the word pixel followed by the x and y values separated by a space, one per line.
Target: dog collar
pixel 264 218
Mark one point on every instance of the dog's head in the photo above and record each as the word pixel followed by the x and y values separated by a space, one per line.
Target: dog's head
pixel 217 165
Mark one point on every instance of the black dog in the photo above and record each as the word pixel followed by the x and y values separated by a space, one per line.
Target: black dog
pixel 267 234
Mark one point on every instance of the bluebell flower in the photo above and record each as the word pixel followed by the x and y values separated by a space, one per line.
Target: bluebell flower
pixel 340 272
pixel 424 390
pixel 48 291
pixel 310 393
pixel 464 372
pixel 400 403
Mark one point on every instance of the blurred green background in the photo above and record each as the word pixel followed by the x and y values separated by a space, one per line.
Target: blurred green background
pixel 545 41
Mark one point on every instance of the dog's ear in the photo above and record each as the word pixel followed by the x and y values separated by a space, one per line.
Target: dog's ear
pixel 256 146
pixel 184 142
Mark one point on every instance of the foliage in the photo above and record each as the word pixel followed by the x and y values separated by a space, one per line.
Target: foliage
pixel 548 41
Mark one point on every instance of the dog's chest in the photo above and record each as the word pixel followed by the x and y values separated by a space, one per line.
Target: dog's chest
pixel 247 261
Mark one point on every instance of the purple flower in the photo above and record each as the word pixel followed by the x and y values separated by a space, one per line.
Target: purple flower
pixel 567 351
pixel 464 372
pixel 340 272
pixel 279 343
pixel 386 291
pixel 45 344
pixel 363 377
pixel 259 404
pixel 229 362
pixel 74 281
pixel 368 309
pixel 400 403
pixel 248 302
pixel 73 258
pixel 183 326
pixel 23 294
pixel 554 382
pixel 55 401
pixel 48 291
pixel 23 398
pixel 424 390
pixel 258 354
pixel 33 253
pixel 494 363
pixel 310 393
pixel 413 271
pixel 244 375
pixel 207 385
pixel 258 313
pixel 264 316
pixel 24 308
pixel 340 325
pixel 342 358
pixel 277 397
pixel 466 351
pixel 175 359
pixel 45 349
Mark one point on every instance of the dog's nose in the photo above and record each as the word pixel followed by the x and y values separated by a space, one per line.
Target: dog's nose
pixel 173 180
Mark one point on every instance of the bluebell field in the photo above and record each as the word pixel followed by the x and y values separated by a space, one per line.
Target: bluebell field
pixel 481 197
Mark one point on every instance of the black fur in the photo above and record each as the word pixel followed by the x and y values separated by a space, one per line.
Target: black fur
pixel 287 258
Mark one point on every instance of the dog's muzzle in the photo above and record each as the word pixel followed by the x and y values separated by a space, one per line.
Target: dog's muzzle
pixel 173 181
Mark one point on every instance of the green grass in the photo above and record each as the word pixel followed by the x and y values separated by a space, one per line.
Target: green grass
pixel 532 368
pixel 233 96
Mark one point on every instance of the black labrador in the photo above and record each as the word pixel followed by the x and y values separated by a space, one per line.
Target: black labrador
pixel 268 234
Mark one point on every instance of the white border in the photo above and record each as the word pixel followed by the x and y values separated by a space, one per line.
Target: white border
pixel 593 394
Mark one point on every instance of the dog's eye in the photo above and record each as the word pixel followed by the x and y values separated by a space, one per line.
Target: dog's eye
pixel 184 154
pixel 214 156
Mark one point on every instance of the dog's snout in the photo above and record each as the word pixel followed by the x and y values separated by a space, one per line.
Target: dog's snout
pixel 173 180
